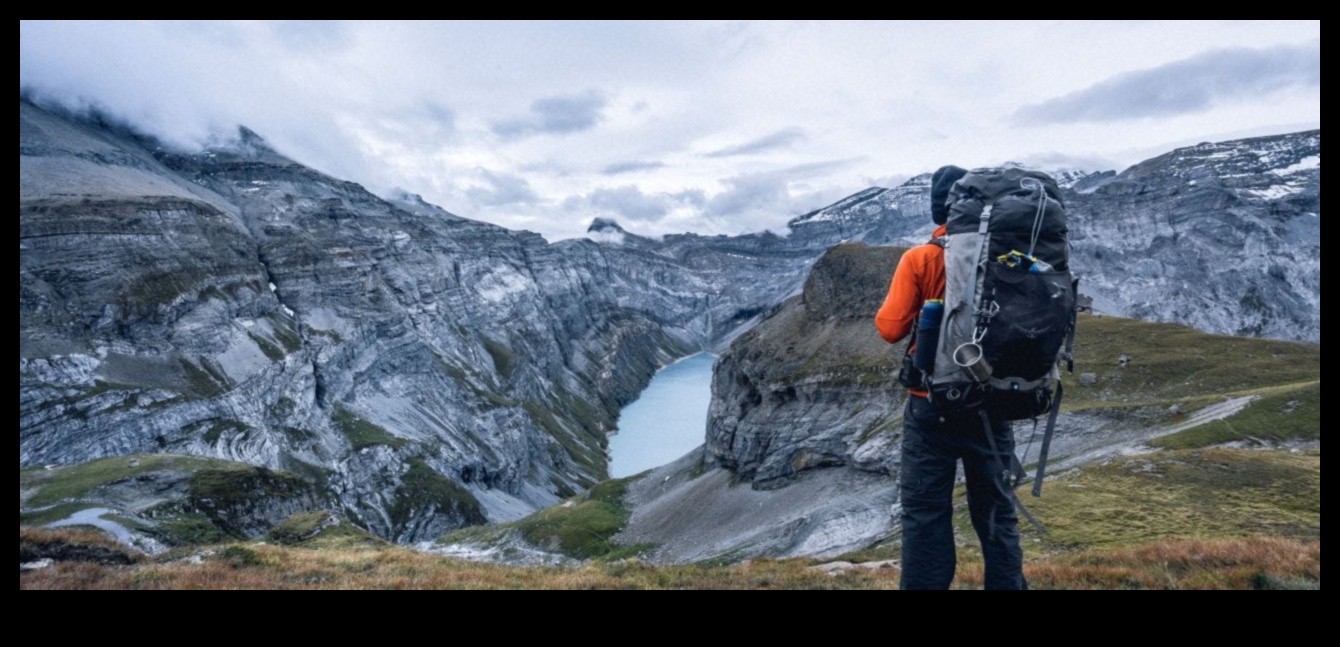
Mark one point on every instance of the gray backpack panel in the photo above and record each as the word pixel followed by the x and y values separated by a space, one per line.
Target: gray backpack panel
pixel 1007 318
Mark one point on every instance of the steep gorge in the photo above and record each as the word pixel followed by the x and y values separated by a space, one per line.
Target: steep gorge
pixel 430 371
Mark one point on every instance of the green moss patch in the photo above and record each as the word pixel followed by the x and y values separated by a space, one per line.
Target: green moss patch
pixel 362 434
pixel 271 351
pixel 74 481
pixel 422 488
pixel 236 485
pixel 286 335
pixel 189 529
pixel 144 294
pixel 220 427
pixel 489 535
pixel 301 526
pixel 321 529
pixel 204 380
pixel 503 357
pixel 581 527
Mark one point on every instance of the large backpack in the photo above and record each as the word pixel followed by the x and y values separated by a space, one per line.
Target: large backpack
pixel 1009 305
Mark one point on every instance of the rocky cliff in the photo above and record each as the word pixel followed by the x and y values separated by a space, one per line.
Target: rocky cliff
pixel 811 385
pixel 430 371
pixel 1225 237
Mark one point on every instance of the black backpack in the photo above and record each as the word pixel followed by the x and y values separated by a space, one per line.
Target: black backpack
pixel 1009 310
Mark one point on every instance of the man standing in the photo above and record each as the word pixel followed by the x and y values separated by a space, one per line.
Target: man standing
pixel 933 442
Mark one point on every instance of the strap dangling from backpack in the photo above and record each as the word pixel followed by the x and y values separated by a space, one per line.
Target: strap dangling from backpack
pixel 1003 480
pixel 1047 440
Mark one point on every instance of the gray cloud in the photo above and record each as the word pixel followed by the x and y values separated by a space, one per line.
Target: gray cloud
pixel 1185 86
pixel 814 169
pixel 441 115
pixel 746 193
pixel 629 202
pixel 694 197
pixel 631 166
pixel 779 139
pixel 502 189
pixel 765 197
pixel 562 114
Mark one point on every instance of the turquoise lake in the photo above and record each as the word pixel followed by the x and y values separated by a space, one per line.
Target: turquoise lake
pixel 667 420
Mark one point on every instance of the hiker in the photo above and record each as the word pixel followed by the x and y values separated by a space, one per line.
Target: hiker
pixel 934 441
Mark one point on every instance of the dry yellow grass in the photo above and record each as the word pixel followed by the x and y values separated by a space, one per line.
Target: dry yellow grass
pixel 1251 563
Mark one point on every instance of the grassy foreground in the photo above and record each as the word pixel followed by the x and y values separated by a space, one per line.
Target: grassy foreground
pixel 1249 563
pixel 1185 519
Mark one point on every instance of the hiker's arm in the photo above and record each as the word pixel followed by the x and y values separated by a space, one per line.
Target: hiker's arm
pixel 895 317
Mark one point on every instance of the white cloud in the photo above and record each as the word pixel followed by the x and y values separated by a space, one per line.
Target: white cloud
pixel 705 121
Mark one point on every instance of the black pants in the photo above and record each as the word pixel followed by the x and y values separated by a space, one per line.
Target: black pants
pixel 932 446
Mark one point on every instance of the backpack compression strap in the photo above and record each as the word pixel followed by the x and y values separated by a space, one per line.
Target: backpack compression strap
pixel 1003 479
pixel 1047 440
pixel 1056 404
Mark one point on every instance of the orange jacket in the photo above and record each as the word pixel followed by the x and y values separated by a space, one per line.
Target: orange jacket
pixel 920 276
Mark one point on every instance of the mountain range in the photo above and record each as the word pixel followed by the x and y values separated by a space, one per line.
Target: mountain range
pixel 428 372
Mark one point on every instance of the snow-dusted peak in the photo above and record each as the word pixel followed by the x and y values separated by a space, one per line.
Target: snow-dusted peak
pixel 1066 178
pixel 843 209
pixel 1278 154
pixel 248 145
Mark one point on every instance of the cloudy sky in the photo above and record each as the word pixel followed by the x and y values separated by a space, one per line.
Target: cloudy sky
pixel 670 127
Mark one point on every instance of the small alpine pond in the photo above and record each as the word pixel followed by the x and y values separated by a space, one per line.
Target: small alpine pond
pixel 667 420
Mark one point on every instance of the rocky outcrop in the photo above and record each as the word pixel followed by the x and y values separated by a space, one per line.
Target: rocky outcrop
pixel 812 385
pixel 153 501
